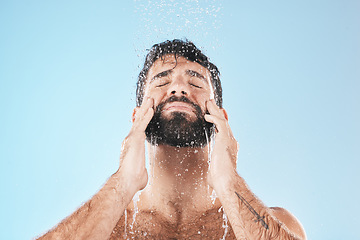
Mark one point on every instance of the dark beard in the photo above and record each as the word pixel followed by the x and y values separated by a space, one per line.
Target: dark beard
pixel 178 131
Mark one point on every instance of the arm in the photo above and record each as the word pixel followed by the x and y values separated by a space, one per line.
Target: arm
pixel 97 218
pixel 248 216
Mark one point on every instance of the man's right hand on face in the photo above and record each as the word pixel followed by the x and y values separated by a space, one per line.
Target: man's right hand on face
pixel 132 158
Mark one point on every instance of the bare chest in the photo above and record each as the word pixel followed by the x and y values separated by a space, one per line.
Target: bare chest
pixel 150 225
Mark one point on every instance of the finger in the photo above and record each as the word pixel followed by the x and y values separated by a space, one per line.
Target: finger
pixel 143 109
pixel 213 108
pixel 146 119
pixel 143 115
pixel 148 103
pixel 220 123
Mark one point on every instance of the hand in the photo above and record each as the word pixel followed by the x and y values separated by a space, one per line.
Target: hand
pixel 224 154
pixel 132 158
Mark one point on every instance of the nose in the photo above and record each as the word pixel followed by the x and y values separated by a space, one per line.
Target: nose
pixel 178 88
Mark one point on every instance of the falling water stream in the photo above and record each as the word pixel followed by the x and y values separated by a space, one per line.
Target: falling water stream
pixel 213 195
pixel 225 223
pixel 136 210
pixel 125 234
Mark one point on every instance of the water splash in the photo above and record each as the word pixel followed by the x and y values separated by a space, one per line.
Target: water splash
pixel 161 19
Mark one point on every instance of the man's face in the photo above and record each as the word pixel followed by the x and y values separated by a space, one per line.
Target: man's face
pixel 180 89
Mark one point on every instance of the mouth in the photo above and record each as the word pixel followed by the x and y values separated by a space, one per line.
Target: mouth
pixel 178 106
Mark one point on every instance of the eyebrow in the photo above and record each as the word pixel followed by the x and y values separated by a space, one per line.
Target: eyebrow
pixel 196 74
pixel 189 72
pixel 161 74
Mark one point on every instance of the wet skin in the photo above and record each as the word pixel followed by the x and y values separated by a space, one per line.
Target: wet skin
pixel 177 188
pixel 186 215
pixel 150 224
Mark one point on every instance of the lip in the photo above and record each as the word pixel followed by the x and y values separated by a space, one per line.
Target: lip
pixel 178 106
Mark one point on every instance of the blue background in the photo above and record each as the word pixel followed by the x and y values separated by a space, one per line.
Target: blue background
pixel 290 75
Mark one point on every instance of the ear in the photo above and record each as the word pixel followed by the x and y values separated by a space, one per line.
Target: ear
pixel 134 113
pixel 225 114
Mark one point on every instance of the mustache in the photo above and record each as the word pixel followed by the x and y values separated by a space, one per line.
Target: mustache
pixel 184 99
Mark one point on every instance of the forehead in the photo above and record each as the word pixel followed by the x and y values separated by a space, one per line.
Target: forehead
pixel 180 63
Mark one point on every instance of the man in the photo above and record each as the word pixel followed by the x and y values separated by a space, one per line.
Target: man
pixel 192 154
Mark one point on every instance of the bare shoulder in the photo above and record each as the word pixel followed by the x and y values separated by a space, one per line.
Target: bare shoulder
pixel 289 220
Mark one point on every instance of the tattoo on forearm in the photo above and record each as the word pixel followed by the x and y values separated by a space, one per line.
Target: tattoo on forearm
pixel 252 210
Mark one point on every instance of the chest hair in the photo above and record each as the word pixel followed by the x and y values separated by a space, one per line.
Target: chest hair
pixel 151 225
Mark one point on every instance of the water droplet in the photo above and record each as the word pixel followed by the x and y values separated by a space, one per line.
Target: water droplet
pixel 213 196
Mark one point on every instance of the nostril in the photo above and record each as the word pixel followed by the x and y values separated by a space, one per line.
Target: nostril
pixel 174 92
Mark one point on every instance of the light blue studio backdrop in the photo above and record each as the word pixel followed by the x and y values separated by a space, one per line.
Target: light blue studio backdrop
pixel 290 75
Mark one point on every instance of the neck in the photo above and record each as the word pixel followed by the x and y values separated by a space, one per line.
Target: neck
pixel 178 178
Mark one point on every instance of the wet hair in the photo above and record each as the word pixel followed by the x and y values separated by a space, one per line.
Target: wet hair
pixel 178 48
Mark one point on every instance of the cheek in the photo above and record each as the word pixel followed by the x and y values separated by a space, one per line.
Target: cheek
pixel 156 94
pixel 201 100
pixel 203 95
pixel 211 94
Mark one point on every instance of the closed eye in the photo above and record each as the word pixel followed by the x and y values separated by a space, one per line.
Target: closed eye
pixel 163 84
pixel 194 85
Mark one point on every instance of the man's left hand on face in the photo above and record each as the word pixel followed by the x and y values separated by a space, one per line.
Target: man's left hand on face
pixel 225 149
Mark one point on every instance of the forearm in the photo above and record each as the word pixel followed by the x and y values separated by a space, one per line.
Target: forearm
pixel 97 217
pixel 248 216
